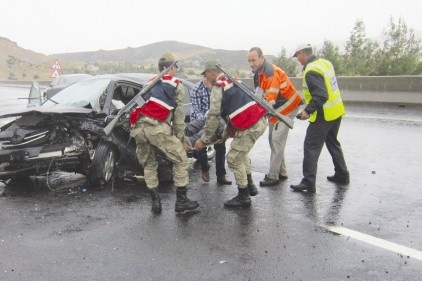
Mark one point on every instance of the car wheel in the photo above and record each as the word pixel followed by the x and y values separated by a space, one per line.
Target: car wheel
pixel 102 165
pixel 210 152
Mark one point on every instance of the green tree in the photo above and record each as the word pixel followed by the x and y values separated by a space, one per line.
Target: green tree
pixel 359 52
pixel 401 52
pixel 332 53
pixel 289 65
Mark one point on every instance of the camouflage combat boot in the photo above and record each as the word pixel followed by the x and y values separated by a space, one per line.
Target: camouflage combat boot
pixel 253 190
pixel 241 200
pixel 183 203
pixel 156 201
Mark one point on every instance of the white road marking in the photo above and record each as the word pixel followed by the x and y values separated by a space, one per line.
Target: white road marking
pixel 405 251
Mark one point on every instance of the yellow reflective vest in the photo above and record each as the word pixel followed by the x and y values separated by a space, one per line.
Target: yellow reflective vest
pixel 333 107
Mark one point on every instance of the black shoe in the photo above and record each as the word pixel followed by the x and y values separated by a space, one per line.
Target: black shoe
pixel 303 187
pixel 183 203
pixel 282 178
pixel 268 182
pixel 224 181
pixel 253 190
pixel 156 201
pixel 242 200
pixel 339 179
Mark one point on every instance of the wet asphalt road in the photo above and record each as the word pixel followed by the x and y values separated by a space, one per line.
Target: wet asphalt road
pixel 112 235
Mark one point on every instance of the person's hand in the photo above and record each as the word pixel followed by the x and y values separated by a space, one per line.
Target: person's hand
pixel 186 146
pixel 219 141
pixel 303 115
pixel 199 144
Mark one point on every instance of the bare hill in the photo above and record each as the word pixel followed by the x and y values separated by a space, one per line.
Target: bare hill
pixel 191 56
pixel 17 63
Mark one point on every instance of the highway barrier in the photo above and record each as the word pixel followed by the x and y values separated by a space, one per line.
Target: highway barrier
pixel 379 89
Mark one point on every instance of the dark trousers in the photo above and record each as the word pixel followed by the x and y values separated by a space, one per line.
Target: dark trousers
pixel 318 133
pixel 203 159
pixel 220 160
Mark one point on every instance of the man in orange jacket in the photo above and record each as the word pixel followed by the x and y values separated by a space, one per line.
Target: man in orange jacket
pixel 280 92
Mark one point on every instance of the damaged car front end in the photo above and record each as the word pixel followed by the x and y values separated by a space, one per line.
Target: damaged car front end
pixel 38 142
pixel 65 133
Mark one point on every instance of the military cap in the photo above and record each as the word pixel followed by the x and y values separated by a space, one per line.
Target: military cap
pixel 210 65
pixel 166 60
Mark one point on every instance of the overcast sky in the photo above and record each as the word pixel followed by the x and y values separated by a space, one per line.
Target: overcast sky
pixel 56 26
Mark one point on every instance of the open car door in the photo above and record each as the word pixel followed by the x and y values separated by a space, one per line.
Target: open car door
pixel 34 98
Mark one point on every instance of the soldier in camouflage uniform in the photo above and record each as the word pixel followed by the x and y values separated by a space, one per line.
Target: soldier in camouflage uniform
pixel 159 124
pixel 246 123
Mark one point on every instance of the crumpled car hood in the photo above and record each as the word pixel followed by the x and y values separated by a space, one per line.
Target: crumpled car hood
pixel 58 109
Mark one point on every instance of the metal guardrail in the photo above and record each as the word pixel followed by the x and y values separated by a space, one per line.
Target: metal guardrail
pixel 388 89
pixel 375 89
pixel 22 83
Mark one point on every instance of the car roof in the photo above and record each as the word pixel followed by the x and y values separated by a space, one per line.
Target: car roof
pixel 137 76
pixel 75 74
pixel 138 79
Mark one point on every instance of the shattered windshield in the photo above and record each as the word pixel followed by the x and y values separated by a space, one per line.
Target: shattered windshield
pixel 82 94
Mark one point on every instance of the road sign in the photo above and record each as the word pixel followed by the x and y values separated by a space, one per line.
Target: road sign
pixel 55 74
pixel 56 65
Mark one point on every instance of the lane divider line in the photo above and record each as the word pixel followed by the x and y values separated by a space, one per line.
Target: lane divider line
pixel 403 250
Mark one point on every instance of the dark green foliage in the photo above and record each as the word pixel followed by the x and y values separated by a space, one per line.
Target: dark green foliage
pixel 286 63
pixel 399 54
pixel 332 53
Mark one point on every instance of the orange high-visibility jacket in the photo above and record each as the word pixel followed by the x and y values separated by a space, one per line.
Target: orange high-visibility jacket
pixel 278 89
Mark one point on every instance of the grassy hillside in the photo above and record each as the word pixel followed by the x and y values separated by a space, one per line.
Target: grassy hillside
pixel 144 59
pixel 17 63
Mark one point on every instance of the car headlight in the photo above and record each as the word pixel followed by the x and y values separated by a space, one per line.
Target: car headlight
pixel 3 166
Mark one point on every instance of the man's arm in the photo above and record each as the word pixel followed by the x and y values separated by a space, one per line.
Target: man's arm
pixel 179 115
pixel 318 90
pixel 213 118
pixel 272 88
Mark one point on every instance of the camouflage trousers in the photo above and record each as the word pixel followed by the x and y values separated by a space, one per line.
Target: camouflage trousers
pixel 151 134
pixel 242 143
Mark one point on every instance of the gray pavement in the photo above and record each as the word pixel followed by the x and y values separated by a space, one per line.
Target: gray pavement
pixel 105 235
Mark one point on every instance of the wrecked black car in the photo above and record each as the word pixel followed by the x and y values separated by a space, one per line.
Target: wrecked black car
pixel 65 133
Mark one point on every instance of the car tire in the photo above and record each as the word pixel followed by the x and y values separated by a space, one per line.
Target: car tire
pixel 102 166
